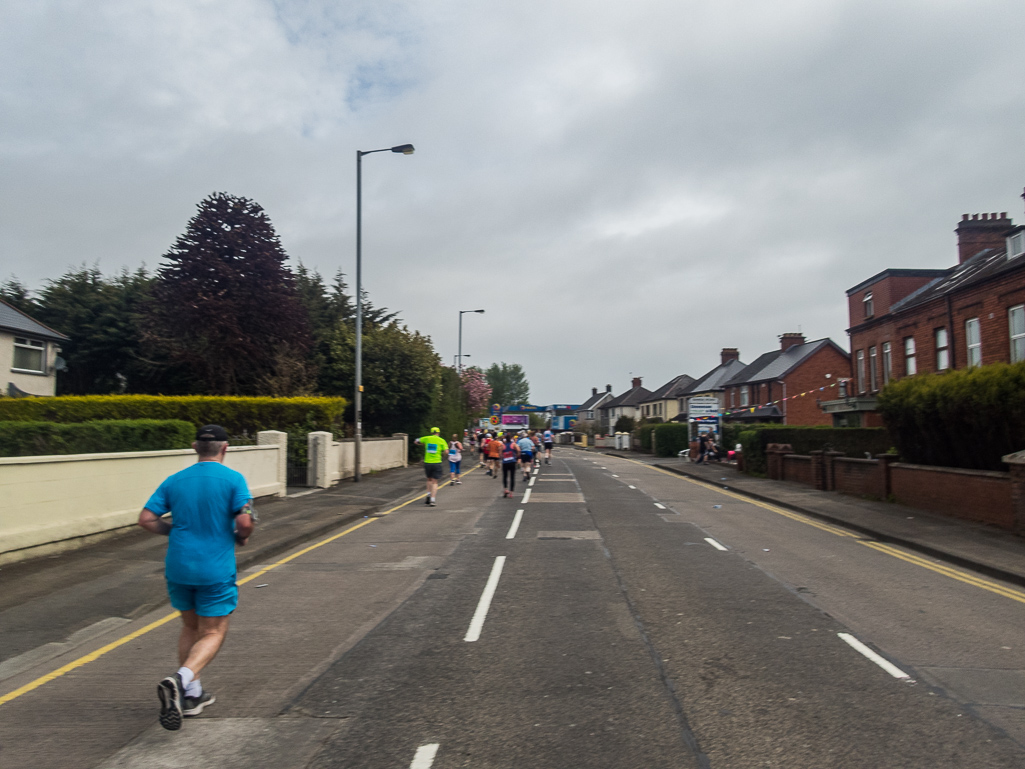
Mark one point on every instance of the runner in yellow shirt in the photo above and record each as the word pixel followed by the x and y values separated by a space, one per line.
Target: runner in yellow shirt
pixel 435 449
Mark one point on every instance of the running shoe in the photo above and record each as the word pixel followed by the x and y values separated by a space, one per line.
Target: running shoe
pixel 193 706
pixel 171 694
pixel 427 500
pixel 432 503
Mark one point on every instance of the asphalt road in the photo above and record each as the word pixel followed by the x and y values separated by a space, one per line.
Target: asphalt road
pixel 625 618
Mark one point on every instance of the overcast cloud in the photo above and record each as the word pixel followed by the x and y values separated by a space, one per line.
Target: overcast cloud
pixel 624 187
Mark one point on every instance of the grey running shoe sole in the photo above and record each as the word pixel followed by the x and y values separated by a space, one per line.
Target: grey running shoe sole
pixel 193 706
pixel 170 704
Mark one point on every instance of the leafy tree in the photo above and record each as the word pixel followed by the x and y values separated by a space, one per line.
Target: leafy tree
pixel 401 376
pixel 449 413
pixel 509 386
pixel 101 316
pixel 537 421
pixel 624 425
pixel 478 391
pixel 226 310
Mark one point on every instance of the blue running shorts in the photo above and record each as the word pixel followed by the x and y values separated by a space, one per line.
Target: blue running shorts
pixel 217 600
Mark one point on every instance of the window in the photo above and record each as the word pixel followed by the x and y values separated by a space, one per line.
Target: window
pixel 745 396
pixel 1016 245
pixel 910 364
pixel 887 364
pixel 29 355
pixel 873 369
pixel 869 303
pixel 1016 318
pixel 861 371
pixel 942 349
pixel 973 340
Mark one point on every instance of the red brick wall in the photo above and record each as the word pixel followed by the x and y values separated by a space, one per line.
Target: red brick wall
pixel 975 495
pixel 884 293
pixel 797 468
pixel 859 477
pixel 989 302
pixel 809 377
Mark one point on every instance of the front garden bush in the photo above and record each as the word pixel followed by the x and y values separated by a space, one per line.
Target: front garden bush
pixel 968 418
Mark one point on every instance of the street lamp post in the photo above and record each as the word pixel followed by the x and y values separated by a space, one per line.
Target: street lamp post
pixel 405 149
pixel 461 356
pixel 456 358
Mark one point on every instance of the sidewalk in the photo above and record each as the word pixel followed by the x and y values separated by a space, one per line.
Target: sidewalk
pixel 984 549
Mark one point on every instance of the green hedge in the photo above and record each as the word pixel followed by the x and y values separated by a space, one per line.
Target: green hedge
pixel 237 415
pixel 852 441
pixel 671 438
pixel 643 436
pixel 968 418
pixel 21 439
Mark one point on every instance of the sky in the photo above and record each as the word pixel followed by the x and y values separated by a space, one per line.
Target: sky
pixel 625 188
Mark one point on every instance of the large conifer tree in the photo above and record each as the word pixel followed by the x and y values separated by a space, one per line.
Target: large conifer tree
pixel 225 306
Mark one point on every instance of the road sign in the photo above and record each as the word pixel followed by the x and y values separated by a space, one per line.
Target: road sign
pixel 702 406
pixel 494 420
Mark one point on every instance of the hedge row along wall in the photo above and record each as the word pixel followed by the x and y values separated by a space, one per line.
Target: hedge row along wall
pixel 968 418
pixel 852 441
pixel 236 415
pixel 671 438
pixel 22 439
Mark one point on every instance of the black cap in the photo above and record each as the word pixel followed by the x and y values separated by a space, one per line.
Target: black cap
pixel 211 433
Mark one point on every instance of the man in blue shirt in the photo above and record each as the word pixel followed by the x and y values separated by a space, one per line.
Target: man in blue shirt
pixel 211 510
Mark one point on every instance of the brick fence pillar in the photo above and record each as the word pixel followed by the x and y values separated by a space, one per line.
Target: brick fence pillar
pixel 884 484
pixel 829 460
pixel 774 454
pixel 818 470
pixel 1016 462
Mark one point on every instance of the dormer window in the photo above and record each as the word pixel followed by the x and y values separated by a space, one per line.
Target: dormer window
pixel 1016 245
pixel 869 305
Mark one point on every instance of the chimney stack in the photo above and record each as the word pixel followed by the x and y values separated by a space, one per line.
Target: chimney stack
pixel 978 232
pixel 790 339
pixel 608 388
pixel 729 353
pixel 635 382
pixel 594 391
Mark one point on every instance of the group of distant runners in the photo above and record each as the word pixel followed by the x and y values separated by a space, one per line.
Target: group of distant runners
pixel 502 453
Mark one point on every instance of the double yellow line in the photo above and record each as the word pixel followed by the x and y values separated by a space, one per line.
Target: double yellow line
pixel 947 571
pixel 95 655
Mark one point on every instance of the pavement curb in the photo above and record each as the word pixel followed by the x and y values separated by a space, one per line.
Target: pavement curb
pixel 943 555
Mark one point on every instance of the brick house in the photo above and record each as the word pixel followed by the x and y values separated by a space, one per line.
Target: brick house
pixel 785 385
pixel 666 402
pixel 904 322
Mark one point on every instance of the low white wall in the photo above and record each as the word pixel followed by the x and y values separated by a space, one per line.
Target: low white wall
pixel 330 461
pixel 54 498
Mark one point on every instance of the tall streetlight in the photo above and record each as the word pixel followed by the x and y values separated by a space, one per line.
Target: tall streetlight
pixel 461 356
pixel 405 149
pixel 456 358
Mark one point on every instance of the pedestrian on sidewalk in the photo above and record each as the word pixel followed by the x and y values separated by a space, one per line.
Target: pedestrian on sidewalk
pixel 509 457
pixel 212 510
pixel 435 449
pixel 455 459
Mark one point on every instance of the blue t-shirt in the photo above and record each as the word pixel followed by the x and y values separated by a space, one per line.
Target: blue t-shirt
pixel 203 500
pixel 526 445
